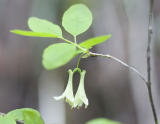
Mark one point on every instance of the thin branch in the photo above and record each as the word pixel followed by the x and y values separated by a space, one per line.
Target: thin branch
pixel 152 103
pixel 121 62
pixel 149 61
pixel 74 43
pixel 149 41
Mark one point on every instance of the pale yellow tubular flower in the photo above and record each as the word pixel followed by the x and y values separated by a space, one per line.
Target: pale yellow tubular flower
pixel 80 96
pixel 68 93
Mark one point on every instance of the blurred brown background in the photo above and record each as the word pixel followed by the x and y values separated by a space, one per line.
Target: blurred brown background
pixel 112 90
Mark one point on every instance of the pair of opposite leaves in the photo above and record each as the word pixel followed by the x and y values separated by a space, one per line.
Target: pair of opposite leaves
pixel 76 20
pixel 80 97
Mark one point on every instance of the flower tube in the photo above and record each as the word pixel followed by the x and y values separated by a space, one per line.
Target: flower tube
pixel 80 96
pixel 68 93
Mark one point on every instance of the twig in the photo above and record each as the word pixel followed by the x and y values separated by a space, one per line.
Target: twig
pixel 121 62
pixel 149 61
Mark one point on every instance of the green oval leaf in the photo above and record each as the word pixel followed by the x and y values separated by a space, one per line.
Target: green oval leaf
pixel 33 34
pixel 94 41
pixel 57 55
pixel 77 19
pixel 15 114
pixel 102 121
pixel 28 115
pixel 31 116
pixel 7 120
pixel 41 25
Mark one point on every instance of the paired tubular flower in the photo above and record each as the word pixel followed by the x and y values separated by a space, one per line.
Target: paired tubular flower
pixel 68 93
pixel 80 96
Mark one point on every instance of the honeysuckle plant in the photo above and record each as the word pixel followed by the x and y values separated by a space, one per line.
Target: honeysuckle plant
pixel 76 20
